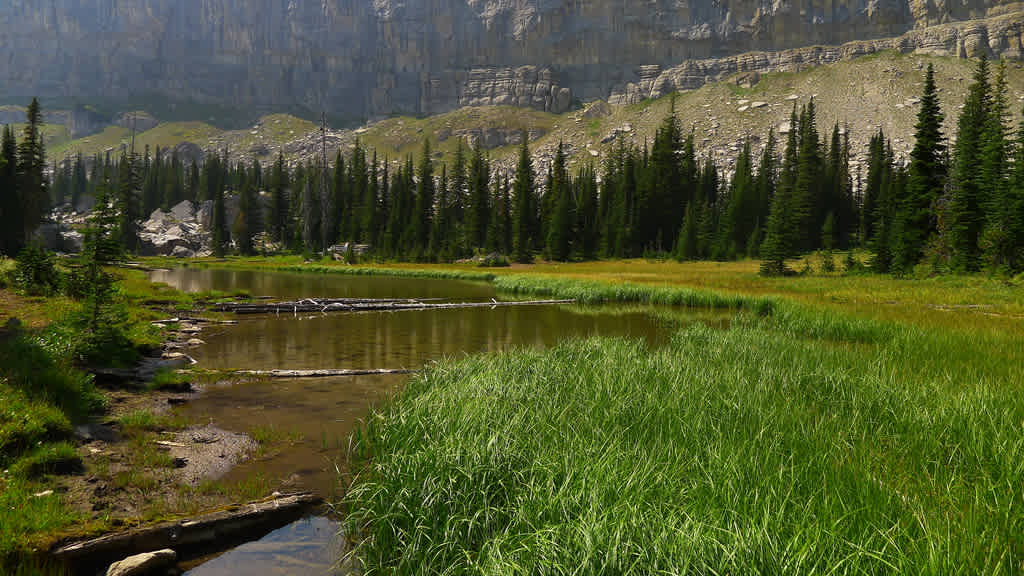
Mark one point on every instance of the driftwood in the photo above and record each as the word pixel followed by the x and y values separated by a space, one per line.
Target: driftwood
pixel 207 533
pixel 365 305
pixel 192 320
pixel 281 373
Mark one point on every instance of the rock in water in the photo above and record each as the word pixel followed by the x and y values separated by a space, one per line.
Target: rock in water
pixel 144 564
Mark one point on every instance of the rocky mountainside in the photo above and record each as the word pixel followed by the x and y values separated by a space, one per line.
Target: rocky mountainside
pixel 363 58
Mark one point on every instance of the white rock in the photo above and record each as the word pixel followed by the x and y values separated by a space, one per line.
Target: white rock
pixel 758 105
pixel 743 108
pixel 141 564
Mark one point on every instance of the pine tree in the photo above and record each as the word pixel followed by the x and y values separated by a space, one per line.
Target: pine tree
pixel 31 182
pixel 522 193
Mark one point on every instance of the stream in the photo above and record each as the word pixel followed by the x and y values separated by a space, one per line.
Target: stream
pixel 316 416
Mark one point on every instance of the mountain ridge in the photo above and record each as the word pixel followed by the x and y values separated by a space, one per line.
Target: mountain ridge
pixel 358 59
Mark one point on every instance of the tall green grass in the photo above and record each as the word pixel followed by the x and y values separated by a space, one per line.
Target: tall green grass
pixel 752 450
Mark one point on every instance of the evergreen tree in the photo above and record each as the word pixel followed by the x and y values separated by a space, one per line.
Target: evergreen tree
pixel 587 221
pixel 128 201
pixel 11 228
pixel 965 211
pixel 220 231
pixel 278 217
pixel 807 201
pixel 101 247
pixel 79 182
pixel 31 182
pixel 522 193
pixel 245 225
pixel 478 203
pixel 560 226
pixel 423 220
pixel 996 242
pixel 742 207
pixel 915 220
pixel 686 246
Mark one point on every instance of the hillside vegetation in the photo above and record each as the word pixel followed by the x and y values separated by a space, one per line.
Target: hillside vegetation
pixel 867 93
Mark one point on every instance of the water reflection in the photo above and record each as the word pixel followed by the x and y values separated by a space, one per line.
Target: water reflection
pixel 286 285
pixel 308 547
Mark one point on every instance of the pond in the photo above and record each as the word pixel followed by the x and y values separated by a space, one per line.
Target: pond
pixel 316 416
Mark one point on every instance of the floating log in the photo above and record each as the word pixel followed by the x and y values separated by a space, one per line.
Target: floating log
pixel 210 532
pixel 192 320
pixel 366 305
pixel 322 373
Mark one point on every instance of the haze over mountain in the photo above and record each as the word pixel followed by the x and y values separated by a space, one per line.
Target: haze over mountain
pixel 362 58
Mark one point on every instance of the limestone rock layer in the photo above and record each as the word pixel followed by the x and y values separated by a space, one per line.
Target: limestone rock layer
pixel 366 58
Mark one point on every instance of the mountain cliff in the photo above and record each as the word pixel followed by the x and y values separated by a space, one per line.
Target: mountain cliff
pixel 371 58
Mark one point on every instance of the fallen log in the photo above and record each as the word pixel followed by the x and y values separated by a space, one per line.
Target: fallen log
pixel 343 305
pixel 207 533
pixel 192 320
pixel 281 373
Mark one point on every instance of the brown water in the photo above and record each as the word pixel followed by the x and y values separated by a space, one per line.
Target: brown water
pixel 315 416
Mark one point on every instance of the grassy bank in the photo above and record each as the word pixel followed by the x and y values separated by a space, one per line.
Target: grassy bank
pixel 749 450
pixel 977 303
pixel 46 390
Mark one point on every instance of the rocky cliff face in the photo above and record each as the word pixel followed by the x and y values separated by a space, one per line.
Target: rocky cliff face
pixel 359 58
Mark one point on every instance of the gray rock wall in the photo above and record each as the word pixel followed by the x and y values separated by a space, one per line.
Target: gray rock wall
pixel 360 58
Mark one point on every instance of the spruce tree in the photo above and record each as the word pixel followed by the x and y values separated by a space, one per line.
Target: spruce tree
pixel 807 188
pixel 965 211
pixel 478 202
pixel 686 245
pixel 129 188
pixel 996 243
pixel 278 217
pixel 560 226
pixel 31 182
pixel 522 194
pixel 915 220
pixel 12 236
pixel 424 218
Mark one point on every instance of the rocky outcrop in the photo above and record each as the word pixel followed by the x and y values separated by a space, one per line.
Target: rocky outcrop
pixel 1001 35
pixel 180 232
pixel 357 58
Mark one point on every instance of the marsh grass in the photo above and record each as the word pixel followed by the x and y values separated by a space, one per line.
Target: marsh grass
pixel 757 449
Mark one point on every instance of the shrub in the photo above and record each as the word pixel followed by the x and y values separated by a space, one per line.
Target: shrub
pixel 35 272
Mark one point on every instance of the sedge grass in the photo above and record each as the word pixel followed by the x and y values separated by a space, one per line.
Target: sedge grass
pixel 752 450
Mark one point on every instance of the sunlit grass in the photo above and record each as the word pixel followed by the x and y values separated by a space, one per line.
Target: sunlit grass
pixel 739 451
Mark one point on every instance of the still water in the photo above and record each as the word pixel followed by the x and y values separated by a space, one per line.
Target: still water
pixel 316 416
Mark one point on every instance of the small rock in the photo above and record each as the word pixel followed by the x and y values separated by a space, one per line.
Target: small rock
pixel 180 462
pixel 143 563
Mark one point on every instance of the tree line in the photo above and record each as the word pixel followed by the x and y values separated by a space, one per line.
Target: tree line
pixel 958 208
